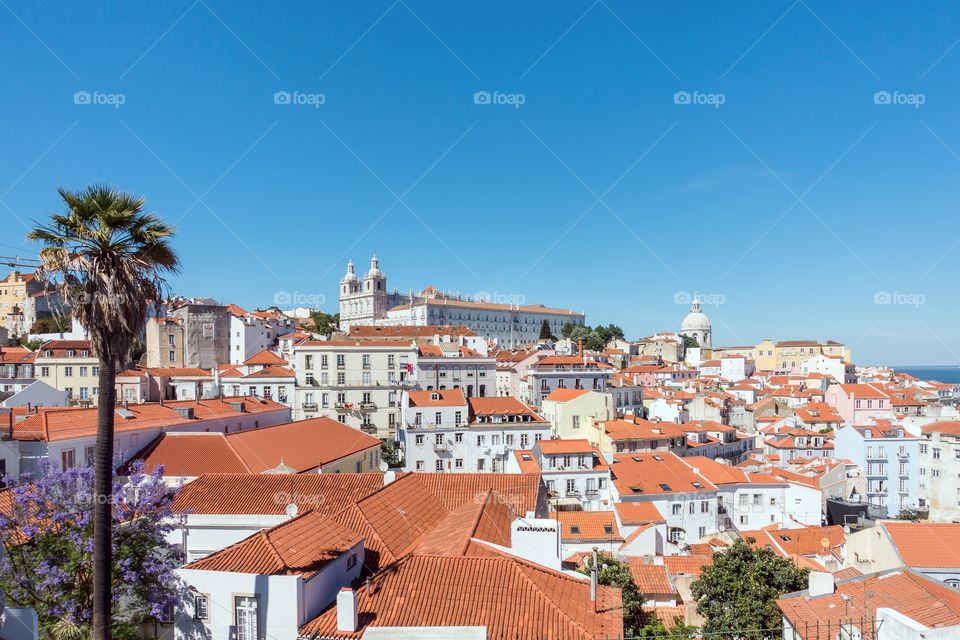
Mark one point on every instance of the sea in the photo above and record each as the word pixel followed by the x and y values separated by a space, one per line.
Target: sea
pixel 941 373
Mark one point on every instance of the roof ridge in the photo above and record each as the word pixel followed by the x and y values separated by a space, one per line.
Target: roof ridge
pixel 549 600
pixel 229 444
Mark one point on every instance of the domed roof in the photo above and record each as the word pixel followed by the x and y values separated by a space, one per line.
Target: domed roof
pixel 696 320
pixel 351 273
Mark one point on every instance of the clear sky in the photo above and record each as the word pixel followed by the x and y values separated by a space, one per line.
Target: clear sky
pixel 783 187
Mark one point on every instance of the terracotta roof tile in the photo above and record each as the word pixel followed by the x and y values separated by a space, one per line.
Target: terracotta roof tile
pixel 926 544
pixel 650 578
pixel 511 598
pixel 303 545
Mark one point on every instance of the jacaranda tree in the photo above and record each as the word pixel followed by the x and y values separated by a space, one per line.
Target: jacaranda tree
pixel 46 528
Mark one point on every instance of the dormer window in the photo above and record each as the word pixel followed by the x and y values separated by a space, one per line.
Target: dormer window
pixel 434 396
pixel 70 353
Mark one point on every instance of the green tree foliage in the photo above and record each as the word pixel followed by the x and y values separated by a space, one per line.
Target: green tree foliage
pixel 594 338
pixel 654 628
pixel 389 453
pixel 33 345
pixel 545 332
pixel 737 594
pixel 325 323
pixel 689 342
pixel 909 514
pixel 613 573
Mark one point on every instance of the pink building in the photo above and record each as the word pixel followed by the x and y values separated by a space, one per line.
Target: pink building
pixel 857 402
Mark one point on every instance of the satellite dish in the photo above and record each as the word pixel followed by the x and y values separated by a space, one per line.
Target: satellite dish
pixel 384 467
pixel 292 510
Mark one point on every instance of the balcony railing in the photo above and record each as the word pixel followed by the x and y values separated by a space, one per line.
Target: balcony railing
pixel 309 406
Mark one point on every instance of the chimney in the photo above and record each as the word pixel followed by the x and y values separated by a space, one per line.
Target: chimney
pixel 593 581
pixel 820 583
pixel 580 347
pixel 347 610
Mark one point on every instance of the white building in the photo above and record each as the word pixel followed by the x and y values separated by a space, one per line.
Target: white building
pixel 565 372
pixel 444 432
pixel 450 363
pixel 688 501
pixel 939 461
pixel 251 333
pixel 890 458
pixel 836 367
pixel 697 325
pixel 367 301
pixel 358 382
pixel 574 472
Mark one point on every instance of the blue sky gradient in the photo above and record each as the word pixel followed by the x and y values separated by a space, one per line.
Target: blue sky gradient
pixel 796 204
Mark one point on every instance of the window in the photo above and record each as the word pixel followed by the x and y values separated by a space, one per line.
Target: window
pixel 936 453
pixel 438 465
pixel 201 605
pixel 83 372
pixel 68 371
pixel 366 361
pixel 676 508
pixel 576 422
pixel 341 361
pixel 705 507
pixel 458 438
pixel 247 617
pixel 571 485
pixel 88 455
pixel 352 561
pixel 419 465
pixel 68 459
pixel 458 463
pixel 481 464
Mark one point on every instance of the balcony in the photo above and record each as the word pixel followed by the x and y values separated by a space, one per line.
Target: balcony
pixel 368 406
pixel 309 406
pixel 368 428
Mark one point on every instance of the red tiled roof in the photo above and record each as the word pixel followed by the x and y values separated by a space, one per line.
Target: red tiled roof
pixel 635 513
pixel 63 423
pixel 650 578
pixel 303 545
pixel 265 356
pixel 565 395
pixel 655 473
pixel 581 526
pixel 303 446
pixel 493 406
pixel 513 599
pixel 926 544
pixel 553 447
pixel 237 494
pixel 446 398
pixel 928 601
pixel 691 565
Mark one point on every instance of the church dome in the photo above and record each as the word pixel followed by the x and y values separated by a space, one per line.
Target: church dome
pixel 696 320
pixel 351 273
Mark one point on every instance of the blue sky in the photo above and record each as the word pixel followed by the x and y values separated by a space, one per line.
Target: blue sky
pixel 795 205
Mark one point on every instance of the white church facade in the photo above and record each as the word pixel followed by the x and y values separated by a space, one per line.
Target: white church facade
pixel 367 301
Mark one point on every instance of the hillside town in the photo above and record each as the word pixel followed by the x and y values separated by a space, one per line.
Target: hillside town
pixel 428 465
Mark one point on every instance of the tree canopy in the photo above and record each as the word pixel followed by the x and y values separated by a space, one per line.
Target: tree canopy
pixel 545 332
pixel 47 545
pixel 737 594
pixel 614 573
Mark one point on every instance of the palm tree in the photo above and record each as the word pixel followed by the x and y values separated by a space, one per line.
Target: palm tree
pixel 108 259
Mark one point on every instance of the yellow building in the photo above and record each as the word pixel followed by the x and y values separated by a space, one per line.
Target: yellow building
pixel 71 366
pixel 572 413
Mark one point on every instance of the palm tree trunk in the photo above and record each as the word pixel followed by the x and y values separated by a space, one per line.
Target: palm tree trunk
pixel 103 503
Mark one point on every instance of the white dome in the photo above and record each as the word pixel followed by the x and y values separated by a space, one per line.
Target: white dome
pixel 351 273
pixel 696 320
